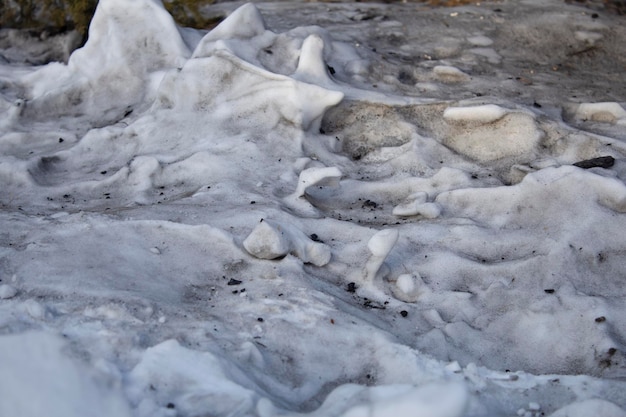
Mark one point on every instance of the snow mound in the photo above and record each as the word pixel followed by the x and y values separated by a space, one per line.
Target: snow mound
pixel 104 86
pixel 192 383
pixel 38 378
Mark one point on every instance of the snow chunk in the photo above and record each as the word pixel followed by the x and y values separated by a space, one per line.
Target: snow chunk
pixel 405 283
pixel 449 74
pixel 588 37
pixel 379 246
pixel 453 367
pixel 34 309
pixel 492 56
pixel 234 89
pixel 7 291
pixel 426 210
pixel 121 29
pixel 416 205
pixel 129 42
pixel 357 67
pixel 480 40
pixel 311 65
pixel 606 112
pixel 483 114
pixel 382 242
pixel 315 176
pixel 409 287
pixel 12 111
pixel 267 241
pixel 273 240
pixel 244 23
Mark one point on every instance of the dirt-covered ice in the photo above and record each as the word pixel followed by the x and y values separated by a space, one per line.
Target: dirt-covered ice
pixel 319 209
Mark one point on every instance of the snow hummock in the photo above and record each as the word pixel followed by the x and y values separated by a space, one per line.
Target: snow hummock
pixel 322 209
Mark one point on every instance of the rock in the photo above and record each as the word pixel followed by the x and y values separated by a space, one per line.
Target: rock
pixel 600 162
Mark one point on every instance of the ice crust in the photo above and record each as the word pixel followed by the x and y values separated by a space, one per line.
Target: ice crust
pixel 282 219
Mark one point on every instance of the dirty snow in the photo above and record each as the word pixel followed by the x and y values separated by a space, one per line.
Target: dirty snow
pixel 317 209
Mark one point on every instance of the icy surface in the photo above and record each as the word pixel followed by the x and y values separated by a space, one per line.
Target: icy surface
pixel 318 209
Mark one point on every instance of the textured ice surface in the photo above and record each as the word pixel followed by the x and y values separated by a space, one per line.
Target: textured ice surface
pixel 320 209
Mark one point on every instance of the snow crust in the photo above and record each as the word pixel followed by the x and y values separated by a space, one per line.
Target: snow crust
pixel 368 216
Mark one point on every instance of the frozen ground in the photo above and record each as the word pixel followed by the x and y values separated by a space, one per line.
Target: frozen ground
pixel 317 210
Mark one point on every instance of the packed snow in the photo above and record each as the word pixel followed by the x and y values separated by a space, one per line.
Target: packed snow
pixel 317 209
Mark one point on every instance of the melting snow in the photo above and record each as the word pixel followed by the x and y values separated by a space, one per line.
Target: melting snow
pixel 378 215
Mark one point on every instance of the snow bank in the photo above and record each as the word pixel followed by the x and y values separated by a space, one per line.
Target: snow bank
pixel 115 69
pixel 271 240
pixel 192 383
pixel 484 114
